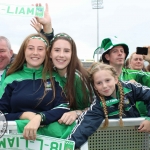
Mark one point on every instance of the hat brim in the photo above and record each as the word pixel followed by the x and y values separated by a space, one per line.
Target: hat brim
pixel 125 47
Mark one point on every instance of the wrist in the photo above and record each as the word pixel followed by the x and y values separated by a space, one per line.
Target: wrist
pixel 47 33
pixel 78 113
pixel 47 29
pixel 42 116
pixel 38 117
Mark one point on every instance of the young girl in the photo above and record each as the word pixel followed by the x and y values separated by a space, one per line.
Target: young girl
pixel 72 77
pixel 113 99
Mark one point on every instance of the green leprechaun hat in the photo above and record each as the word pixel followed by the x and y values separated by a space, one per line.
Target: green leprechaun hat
pixel 109 43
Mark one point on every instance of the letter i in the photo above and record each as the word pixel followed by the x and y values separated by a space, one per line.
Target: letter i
pixel 17 142
pixel 16 10
pixel 60 146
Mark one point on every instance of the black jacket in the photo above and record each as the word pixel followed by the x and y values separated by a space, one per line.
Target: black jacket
pixel 90 120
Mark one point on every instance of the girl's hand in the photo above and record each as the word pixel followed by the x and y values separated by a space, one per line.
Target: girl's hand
pixel 46 20
pixel 31 128
pixel 36 25
pixel 68 118
pixel 132 81
pixel 144 126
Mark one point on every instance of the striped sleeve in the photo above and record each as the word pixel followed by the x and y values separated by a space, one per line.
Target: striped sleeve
pixel 87 124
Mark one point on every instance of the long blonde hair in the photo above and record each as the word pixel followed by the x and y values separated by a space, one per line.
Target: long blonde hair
pixel 100 66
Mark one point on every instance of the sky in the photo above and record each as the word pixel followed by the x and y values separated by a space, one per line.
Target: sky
pixel 129 20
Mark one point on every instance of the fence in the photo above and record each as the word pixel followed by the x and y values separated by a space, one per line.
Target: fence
pixel 112 138
pixel 116 138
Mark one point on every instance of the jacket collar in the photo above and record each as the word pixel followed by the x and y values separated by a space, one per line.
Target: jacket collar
pixel 32 70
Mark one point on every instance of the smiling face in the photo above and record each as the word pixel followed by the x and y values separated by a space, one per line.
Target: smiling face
pixel 104 82
pixel 116 56
pixel 35 53
pixel 5 55
pixel 61 55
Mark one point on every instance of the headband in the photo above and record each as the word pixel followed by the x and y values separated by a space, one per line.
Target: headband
pixel 40 38
pixel 60 35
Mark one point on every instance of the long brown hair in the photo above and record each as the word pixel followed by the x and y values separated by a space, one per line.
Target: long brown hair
pixel 74 65
pixel 100 66
pixel 20 60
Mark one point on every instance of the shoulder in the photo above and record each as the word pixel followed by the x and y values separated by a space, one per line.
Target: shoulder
pixel 78 75
pixel 17 76
pixel 129 71
pixel 58 79
pixel 136 72
pixel 8 81
pixel 130 85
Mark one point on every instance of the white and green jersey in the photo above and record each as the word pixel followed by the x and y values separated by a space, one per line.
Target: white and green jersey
pixel 138 76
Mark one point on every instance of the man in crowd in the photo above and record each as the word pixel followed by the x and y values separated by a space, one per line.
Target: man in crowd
pixel 136 62
pixel 6 54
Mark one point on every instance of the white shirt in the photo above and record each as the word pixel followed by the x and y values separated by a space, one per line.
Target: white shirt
pixel 1 72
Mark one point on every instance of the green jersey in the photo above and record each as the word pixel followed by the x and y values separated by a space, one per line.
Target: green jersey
pixel 79 95
pixel 140 77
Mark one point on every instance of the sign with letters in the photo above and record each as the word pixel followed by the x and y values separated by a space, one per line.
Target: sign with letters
pixel 22 10
pixel 17 142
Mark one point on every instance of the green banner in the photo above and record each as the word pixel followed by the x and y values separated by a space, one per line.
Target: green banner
pixel 17 142
pixel 21 10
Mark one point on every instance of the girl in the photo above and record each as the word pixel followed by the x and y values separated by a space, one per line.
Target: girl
pixel 113 99
pixel 70 74
pixel 67 69
pixel 29 92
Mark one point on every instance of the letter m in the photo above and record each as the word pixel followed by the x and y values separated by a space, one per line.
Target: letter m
pixel 30 10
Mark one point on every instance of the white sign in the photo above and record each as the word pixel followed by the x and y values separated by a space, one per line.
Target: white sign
pixel 17 142
pixel 3 124
pixel 22 10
